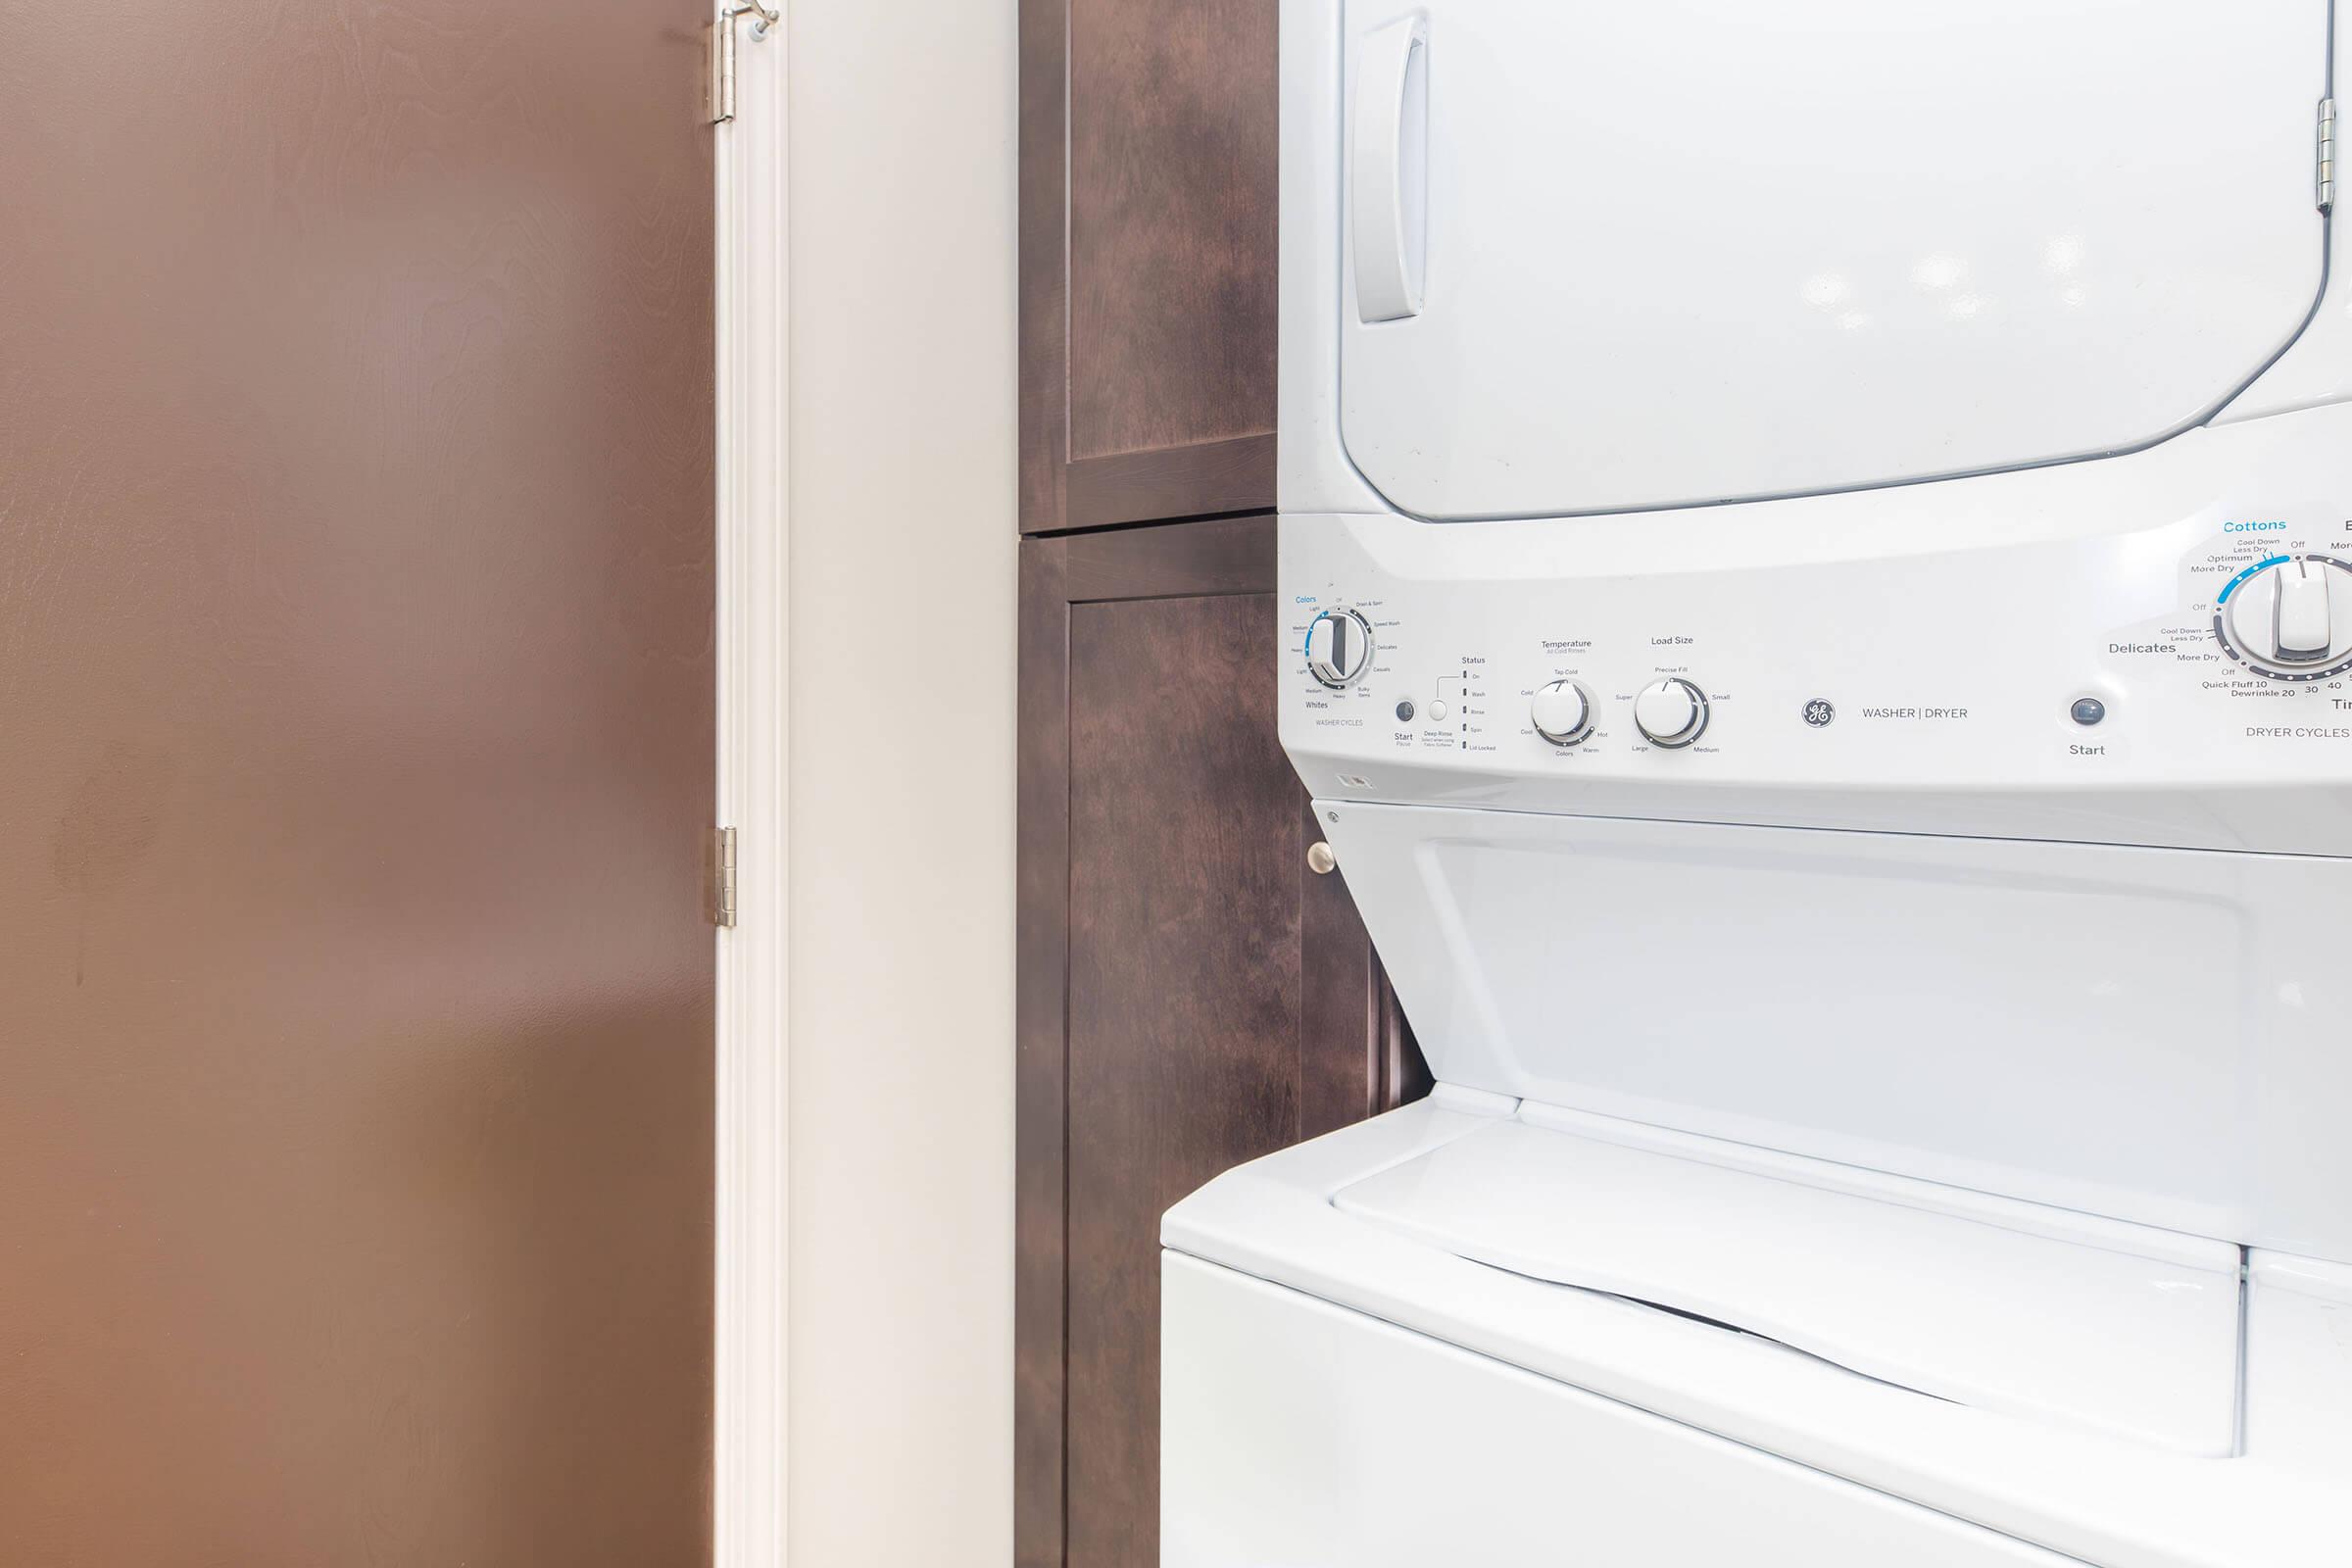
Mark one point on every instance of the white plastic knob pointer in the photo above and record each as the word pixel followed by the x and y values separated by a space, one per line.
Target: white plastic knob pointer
pixel 1670 711
pixel 1562 713
pixel 2304 626
pixel 1339 647
pixel 2284 617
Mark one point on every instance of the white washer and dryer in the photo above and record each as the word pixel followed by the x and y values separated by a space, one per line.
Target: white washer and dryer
pixel 1818 547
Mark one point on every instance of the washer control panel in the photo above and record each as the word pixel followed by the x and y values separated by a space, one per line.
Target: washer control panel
pixel 1339 648
pixel 1672 712
pixel 2050 654
pixel 1562 713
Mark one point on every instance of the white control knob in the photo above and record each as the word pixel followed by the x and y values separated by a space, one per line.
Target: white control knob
pixel 2292 621
pixel 2301 628
pixel 1671 712
pixel 1339 647
pixel 1562 713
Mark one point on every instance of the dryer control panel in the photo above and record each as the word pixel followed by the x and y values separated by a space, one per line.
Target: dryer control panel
pixel 2154 649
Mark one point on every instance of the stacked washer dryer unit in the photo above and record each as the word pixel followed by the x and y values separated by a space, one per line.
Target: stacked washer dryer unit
pixel 1817 560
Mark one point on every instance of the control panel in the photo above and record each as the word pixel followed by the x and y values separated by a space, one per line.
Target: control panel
pixel 2055 654
pixel 1339 648
pixel 1672 712
pixel 2288 617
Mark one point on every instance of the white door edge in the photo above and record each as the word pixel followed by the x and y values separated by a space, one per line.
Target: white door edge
pixel 750 1178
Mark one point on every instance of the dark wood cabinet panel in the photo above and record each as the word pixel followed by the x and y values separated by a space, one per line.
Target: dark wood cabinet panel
pixel 1184 1038
pixel 1192 995
pixel 1149 177
pixel 1172 145
pixel 1345 999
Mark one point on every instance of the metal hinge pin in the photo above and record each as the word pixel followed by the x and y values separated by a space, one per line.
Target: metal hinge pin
pixel 2326 154
pixel 723 52
pixel 722 882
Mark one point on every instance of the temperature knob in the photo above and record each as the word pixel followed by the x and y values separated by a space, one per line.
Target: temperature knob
pixel 2290 619
pixel 1562 713
pixel 1339 647
pixel 1671 712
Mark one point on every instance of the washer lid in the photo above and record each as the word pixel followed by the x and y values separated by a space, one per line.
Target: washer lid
pixel 1607 257
pixel 1984 1301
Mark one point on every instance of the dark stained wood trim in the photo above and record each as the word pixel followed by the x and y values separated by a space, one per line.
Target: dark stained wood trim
pixel 1403 1075
pixel 1045 264
pixel 1233 475
pixel 1224 556
pixel 1041 1040
pixel 1345 997
pixel 1205 478
pixel 1339 1000
pixel 1229 555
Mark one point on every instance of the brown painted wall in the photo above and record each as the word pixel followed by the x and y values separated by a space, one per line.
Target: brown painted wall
pixel 356 709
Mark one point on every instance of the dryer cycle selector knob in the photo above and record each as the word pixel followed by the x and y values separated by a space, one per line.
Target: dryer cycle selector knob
pixel 2289 619
pixel 1562 713
pixel 1339 647
pixel 1671 712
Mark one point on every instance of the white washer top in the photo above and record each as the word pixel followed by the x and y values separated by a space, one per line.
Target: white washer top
pixel 1984 1301
pixel 1352 1218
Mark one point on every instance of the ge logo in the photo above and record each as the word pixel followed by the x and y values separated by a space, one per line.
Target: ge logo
pixel 1819 711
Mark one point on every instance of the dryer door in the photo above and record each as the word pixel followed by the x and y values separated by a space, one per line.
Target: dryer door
pixel 1604 257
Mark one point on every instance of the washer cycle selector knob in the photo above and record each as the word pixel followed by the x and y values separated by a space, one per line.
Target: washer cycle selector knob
pixel 1339 647
pixel 2290 619
pixel 1562 713
pixel 1672 712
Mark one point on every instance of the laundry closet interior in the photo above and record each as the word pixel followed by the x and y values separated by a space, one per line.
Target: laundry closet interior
pixel 1801 556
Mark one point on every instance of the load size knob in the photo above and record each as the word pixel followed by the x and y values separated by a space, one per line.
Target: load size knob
pixel 1671 712
pixel 2290 619
pixel 1339 647
pixel 1562 713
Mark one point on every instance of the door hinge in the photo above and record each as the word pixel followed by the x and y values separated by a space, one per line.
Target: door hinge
pixel 720 877
pixel 2326 154
pixel 723 51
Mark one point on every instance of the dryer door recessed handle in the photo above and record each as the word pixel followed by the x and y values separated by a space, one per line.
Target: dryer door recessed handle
pixel 1389 169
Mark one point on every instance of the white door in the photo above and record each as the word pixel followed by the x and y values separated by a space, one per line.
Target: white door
pixel 1602 256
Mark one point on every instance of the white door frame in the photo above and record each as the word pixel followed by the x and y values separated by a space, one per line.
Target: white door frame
pixel 751 1179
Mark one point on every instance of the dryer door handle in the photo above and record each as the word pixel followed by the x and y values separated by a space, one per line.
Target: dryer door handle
pixel 1389 169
